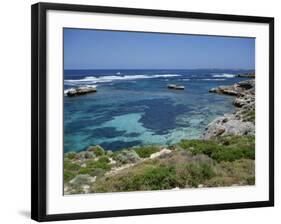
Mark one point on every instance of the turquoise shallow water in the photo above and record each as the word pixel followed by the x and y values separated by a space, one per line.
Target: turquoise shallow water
pixel 134 107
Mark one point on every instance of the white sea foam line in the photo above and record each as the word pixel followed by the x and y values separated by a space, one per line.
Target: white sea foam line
pixel 225 75
pixel 101 79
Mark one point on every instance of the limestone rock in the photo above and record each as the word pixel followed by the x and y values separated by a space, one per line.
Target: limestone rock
pixel 161 153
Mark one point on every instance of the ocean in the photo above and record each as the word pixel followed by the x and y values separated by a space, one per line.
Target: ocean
pixel 135 107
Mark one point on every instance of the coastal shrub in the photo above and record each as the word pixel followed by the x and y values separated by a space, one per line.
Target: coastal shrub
pixel 97 150
pixel 236 140
pixel 148 177
pixel 85 170
pixel 70 155
pixel 193 174
pixel 241 172
pixel 109 153
pixel 231 154
pixel 104 159
pixel 146 151
pixel 84 155
pixel 224 148
pixel 235 147
pixel 250 180
pixel 70 166
pixel 155 176
pixel 93 171
pixel 101 164
pixel 198 146
pixel 67 176
pixel 126 156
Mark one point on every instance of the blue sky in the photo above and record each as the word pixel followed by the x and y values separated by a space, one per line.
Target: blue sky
pixel 96 49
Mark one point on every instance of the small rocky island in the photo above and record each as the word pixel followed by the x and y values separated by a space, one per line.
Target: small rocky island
pixel 224 156
pixel 176 87
pixel 80 91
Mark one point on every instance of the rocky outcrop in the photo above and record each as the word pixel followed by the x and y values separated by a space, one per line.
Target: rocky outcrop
pixel 162 153
pixel 242 121
pixel 80 91
pixel 238 89
pixel 228 125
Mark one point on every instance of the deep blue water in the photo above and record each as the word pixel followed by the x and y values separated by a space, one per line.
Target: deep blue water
pixel 135 107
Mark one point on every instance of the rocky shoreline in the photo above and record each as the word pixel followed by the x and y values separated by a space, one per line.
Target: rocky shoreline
pixel 242 121
pixel 224 156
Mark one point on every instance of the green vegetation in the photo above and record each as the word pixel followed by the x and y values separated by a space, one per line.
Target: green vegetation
pixel 67 175
pixel 238 172
pixel 101 163
pixel 92 167
pixel 97 150
pixel 222 161
pixel 155 176
pixel 126 156
pixel 226 148
pixel 146 151
pixel 70 155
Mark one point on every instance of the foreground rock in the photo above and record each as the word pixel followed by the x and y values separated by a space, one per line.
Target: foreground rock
pixel 242 121
pixel 162 153
pixel 228 125
pixel 80 91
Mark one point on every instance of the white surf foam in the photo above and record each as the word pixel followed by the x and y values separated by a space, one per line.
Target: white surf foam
pixel 212 79
pixel 224 75
pixel 103 79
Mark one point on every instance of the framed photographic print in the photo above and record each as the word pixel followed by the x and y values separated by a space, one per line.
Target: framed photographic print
pixel 139 111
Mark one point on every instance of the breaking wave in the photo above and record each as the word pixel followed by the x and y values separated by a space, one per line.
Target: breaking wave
pixel 224 75
pixel 212 79
pixel 104 79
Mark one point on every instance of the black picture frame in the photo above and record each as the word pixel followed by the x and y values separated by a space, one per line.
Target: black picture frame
pixel 38 108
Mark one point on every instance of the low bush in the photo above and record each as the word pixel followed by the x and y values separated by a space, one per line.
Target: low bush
pixel 67 176
pixel 97 150
pixel 226 148
pixel 146 151
pixel 70 166
pixel 241 172
pixel 126 156
pixel 101 164
pixel 191 175
pixel 70 155
pixel 104 159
